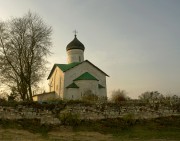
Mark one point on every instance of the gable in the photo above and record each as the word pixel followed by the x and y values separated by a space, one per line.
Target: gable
pixel 86 76
pixel 96 67
pixel 66 67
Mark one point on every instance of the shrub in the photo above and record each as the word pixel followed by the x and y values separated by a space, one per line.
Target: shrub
pixel 69 119
pixel 79 102
pixel 151 96
pixel 129 120
pixel 118 96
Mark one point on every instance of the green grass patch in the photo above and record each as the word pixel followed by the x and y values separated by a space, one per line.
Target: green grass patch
pixel 127 128
pixel 31 125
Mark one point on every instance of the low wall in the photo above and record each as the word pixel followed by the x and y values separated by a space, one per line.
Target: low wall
pixel 106 111
pixel 93 112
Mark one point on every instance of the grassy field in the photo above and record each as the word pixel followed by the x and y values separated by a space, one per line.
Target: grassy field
pixel 160 129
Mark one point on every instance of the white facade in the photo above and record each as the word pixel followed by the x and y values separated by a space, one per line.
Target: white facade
pixel 85 85
pixel 56 82
pixel 59 81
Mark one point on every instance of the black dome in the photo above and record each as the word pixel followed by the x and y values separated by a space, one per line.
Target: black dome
pixel 75 44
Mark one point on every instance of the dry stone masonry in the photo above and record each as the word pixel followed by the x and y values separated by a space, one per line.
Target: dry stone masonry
pixel 87 112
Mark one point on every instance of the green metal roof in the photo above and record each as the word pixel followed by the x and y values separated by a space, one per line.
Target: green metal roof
pixel 73 85
pixel 65 67
pixel 86 76
pixel 100 86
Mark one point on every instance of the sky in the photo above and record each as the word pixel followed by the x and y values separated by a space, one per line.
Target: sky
pixel 136 42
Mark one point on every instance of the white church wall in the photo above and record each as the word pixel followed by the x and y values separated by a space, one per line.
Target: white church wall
pixel 85 85
pixel 75 72
pixel 75 55
pixel 72 93
pixel 56 82
pixel 102 92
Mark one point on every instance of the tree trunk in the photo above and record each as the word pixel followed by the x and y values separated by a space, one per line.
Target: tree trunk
pixel 30 92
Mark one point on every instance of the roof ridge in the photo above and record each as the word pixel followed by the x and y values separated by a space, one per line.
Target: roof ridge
pixel 67 67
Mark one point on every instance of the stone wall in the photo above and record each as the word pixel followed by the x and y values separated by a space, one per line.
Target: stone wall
pixel 22 112
pixel 93 112
pixel 112 111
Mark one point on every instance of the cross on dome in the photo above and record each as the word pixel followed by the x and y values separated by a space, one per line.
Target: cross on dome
pixel 75 32
pixel 75 43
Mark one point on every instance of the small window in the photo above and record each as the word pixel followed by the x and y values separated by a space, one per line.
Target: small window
pixel 72 96
pixel 79 59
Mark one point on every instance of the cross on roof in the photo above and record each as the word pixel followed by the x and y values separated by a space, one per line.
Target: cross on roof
pixel 75 32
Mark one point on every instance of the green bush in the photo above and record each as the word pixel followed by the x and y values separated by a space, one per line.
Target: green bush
pixel 69 119
pixel 128 120
pixel 32 125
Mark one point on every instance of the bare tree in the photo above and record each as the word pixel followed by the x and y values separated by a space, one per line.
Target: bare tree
pixel 151 96
pixel 24 45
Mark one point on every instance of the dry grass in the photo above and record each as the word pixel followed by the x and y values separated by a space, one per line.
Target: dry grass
pixel 63 135
pixel 18 135
pixel 21 135
pixel 79 136
pixel 160 129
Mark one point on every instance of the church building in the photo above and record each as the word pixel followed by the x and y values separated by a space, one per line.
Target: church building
pixel 74 79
